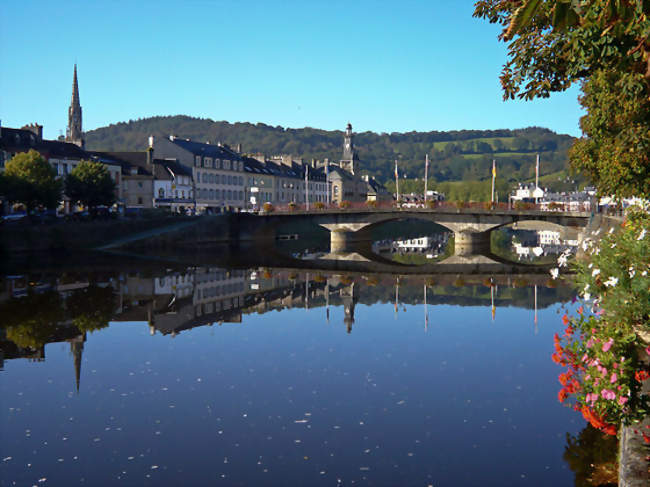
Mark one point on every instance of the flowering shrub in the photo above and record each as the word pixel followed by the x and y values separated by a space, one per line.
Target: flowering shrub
pixel 344 204
pixel 319 205
pixel 268 207
pixel 600 347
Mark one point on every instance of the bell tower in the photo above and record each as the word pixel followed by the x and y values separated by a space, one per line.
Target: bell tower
pixel 74 132
pixel 350 160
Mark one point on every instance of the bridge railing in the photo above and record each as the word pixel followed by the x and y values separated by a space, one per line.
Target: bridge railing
pixel 353 206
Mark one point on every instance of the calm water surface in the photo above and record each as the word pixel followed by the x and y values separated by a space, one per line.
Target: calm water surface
pixel 210 376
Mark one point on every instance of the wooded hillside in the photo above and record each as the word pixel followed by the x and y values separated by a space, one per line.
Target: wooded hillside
pixel 455 155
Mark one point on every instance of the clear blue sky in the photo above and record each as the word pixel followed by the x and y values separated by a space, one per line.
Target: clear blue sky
pixel 385 66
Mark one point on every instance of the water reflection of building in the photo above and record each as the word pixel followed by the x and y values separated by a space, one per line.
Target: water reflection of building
pixel 431 245
pixel 181 300
pixel 531 244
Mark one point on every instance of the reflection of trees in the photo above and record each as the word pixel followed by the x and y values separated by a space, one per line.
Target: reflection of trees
pixel 32 321
pixel 591 455
pixel 39 318
pixel 91 308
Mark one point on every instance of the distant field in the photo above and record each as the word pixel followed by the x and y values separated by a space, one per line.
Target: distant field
pixel 499 154
pixel 506 141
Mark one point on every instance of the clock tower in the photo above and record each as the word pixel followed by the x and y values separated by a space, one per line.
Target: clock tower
pixel 350 160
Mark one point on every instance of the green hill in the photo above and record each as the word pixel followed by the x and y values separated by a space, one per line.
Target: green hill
pixel 455 155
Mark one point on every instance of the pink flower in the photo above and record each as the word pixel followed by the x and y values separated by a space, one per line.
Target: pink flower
pixel 607 394
pixel 608 344
pixel 592 398
pixel 590 343
pixel 622 400
pixel 647 350
pixel 613 378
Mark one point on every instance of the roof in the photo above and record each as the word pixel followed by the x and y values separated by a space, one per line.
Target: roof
pixel 174 166
pixel 21 140
pixel 206 150
pixel 128 161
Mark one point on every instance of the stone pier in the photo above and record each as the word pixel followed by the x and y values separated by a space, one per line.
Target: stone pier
pixel 343 241
pixel 471 243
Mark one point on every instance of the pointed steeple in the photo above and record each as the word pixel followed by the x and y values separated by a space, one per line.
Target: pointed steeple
pixel 74 132
pixel 75 89
pixel 77 349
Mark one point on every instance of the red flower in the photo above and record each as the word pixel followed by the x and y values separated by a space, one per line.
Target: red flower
pixel 641 375
pixel 562 395
pixel 646 438
pixel 565 320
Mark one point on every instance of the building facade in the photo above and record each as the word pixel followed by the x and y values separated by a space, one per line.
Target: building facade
pixel 217 172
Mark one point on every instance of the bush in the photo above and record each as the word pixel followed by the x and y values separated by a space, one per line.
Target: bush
pixel 432 204
pixel 344 204
pixel 268 207
pixel 292 206
pixel 319 205
pixel 461 204
pixel 601 350
pixel 371 204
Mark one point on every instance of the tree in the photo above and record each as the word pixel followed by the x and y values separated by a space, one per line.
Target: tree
pixel 31 180
pixel 604 45
pixel 90 184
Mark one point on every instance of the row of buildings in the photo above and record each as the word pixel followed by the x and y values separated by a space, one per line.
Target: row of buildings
pixel 186 175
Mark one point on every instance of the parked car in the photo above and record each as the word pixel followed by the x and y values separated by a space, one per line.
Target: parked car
pixel 14 217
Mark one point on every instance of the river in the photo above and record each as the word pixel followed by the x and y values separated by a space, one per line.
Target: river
pixel 168 374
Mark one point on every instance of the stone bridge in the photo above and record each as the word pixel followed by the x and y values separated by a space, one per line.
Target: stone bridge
pixel 471 226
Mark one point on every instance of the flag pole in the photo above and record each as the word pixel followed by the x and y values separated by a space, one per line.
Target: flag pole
pixel 494 176
pixel 396 182
pixel 426 176
pixel 307 186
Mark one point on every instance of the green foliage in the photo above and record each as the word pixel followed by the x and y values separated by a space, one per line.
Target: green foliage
pixel 454 155
pixel 604 44
pixel 616 155
pixel 30 179
pixel 618 273
pixel 90 184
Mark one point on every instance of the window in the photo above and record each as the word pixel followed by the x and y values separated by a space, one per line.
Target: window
pixel 226 164
pixel 211 178
pixel 218 192
pixel 139 200
pixel 139 184
pixel 197 161
pixel 205 177
pixel 212 194
pixel 229 194
pixel 241 195
pixel 207 162
pixel 217 163
pixel 161 193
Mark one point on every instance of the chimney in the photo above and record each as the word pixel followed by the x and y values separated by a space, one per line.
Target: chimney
pixel 150 152
pixel 34 128
pixel 238 148
pixel 286 160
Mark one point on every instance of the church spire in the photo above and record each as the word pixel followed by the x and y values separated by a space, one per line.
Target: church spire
pixel 74 132
pixel 75 89
pixel 77 349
